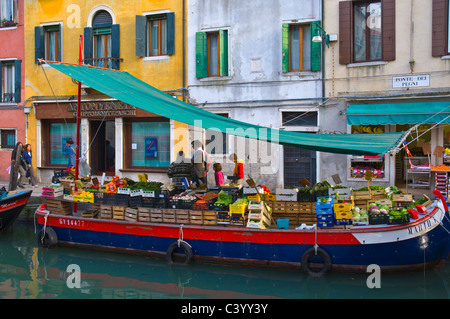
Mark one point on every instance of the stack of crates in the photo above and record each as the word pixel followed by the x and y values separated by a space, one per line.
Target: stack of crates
pixel 324 211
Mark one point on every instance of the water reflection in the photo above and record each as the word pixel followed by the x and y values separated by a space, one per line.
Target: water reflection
pixel 27 272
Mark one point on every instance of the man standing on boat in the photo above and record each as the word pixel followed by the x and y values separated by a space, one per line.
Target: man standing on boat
pixel 198 160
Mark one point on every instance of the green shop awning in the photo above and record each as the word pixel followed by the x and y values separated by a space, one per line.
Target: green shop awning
pixel 124 87
pixel 399 113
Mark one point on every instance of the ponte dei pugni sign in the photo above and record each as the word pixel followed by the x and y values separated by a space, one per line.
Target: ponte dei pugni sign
pixel 102 109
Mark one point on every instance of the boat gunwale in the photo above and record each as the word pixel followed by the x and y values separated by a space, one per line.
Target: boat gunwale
pixel 358 229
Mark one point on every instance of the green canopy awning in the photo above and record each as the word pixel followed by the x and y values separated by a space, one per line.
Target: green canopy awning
pixel 399 113
pixel 124 87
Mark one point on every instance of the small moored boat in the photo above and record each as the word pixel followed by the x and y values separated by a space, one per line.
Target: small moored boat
pixel 11 206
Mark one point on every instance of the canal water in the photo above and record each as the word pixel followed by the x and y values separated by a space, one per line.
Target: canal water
pixel 29 272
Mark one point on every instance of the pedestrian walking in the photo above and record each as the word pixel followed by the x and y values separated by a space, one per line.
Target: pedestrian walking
pixel 27 158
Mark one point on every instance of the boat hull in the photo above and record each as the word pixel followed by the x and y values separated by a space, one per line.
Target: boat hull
pixel 10 208
pixel 408 246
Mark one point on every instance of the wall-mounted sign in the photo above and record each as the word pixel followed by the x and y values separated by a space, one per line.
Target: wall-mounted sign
pixel 151 147
pixel 410 81
pixel 103 109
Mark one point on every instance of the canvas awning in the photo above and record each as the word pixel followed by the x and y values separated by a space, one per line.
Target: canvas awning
pixel 431 112
pixel 124 87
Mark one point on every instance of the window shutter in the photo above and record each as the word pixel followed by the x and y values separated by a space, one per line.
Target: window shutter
pixel 141 36
pixel 316 47
pixel 223 47
pixel 88 46
pixel 285 48
pixel 115 46
pixel 388 29
pixel 439 27
pixel 39 45
pixel 1 86
pixel 345 32
pixel 201 55
pixel 170 33
pixel 17 81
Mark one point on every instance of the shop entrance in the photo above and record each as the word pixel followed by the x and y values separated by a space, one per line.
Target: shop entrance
pixel 102 150
pixel 299 163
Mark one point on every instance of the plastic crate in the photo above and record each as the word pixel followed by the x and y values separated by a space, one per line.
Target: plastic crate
pixel 324 204
pixel 399 219
pixel 377 219
pixel 325 218
pixel 343 222
pixel 325 224
pixel 324 211
pixel 283 223
pixel 306 197
pixel 240 209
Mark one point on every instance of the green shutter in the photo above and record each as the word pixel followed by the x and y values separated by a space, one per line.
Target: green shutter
pixel 316 47
pixel 201 55
pixel 223 54
pixel 17 80
pixel 115 46
pixel 170 33
pixel 39 45
pixel 285 48
pixel 141 36
pixel 88 46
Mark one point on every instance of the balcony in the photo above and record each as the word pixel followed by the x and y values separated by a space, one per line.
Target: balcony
pixel 7 98
pixel 107 63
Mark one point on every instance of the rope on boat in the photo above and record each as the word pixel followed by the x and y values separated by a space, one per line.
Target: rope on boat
pixel 181 237
pixel 45 224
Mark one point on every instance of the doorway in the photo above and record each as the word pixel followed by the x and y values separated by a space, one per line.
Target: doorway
pixel 103 145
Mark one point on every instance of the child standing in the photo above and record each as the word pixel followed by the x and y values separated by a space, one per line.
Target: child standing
pixel 218 174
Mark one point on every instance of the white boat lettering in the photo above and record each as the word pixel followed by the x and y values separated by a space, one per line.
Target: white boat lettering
pixel 420 228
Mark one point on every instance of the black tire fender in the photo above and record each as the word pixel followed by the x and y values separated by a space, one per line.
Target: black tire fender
pixel 47 238
pixel 183 246
pixel 322 254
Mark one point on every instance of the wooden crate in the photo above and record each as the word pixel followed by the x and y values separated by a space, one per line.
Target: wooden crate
pixel 143 214
pixel 131 214
pixel 90 213
pixel 169 216
pixel 182 216
pixel 361 203
pixel 293 218
pixel 402 197
pixel 105 212
pixel 362 195
pixel 118 212
pixel 196 217
pixel 277 206
pixel 209 217
pixel 156 215
pixel 59 207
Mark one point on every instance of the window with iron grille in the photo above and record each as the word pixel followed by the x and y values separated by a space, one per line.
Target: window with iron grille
pixel 8 138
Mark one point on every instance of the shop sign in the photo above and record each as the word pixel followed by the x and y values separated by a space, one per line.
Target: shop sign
pixel 103 109
pixel 410 81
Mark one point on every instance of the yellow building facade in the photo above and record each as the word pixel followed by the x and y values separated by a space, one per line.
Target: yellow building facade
pixel 145 38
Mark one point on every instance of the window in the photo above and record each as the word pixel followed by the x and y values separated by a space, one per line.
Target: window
pixel 216 142
pixel 58 135
pixel 211 53
pixel 47 43
pixel 52 43
pixel 366 31
pixel 440 28
pixel 299 52
pixel 8 13
pixel 150 144
pixel 8 138
pixel 102 47
pixel 155 34
pixel 299 119
pixel 10 79
pixel 102 42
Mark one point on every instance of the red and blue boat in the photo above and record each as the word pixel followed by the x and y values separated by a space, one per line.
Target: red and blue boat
pixel 11 206
pixel 423 242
